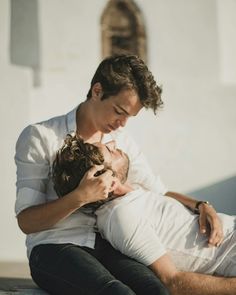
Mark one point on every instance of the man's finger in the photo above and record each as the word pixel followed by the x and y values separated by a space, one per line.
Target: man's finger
pixel 216 238
pixel 106 174
pixel 92 171
pixel 220 242
pixel 213 239
pixel 202 223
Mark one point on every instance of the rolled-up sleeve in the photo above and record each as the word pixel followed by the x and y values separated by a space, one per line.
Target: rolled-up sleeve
pixel 32 169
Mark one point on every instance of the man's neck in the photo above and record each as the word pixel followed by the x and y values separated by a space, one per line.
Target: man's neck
pixel 122 189
pixel 85 125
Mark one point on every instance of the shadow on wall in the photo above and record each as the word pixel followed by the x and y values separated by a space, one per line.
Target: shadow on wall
pixel 24 36
pixel 222 195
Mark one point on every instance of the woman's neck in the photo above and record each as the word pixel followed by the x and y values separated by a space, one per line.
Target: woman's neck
pixel 85 125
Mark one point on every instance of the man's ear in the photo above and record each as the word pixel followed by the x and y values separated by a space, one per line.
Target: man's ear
pixel 115 184
pixel 97 91
pixel 120 189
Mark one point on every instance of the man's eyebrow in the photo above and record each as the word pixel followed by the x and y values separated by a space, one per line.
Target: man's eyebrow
pixel 108 149
pixel 124 110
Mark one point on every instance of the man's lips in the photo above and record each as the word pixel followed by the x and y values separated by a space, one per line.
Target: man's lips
pixel 111 127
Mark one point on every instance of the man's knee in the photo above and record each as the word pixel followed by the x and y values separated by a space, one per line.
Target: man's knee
pixel 160 291
pixel 116 287
pixel 152 287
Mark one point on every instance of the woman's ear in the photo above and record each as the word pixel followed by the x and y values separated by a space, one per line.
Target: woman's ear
pixel 97 91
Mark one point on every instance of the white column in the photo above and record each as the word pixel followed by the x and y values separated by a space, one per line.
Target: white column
pixel 226 11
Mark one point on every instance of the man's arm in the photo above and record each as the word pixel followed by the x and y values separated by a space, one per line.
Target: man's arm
pixel 141 173
pixel 44 216
pixel 207 216
pixel 185 283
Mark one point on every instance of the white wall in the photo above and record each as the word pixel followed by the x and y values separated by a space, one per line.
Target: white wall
pixel 15 86
pixel 192 140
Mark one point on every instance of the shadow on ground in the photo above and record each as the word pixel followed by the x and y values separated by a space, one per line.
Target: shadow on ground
pixel 17 286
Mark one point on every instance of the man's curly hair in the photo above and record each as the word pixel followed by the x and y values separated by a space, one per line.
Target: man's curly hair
pixel 72 161
pixel 121 72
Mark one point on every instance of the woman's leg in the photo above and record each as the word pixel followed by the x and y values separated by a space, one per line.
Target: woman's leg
pixel 69 269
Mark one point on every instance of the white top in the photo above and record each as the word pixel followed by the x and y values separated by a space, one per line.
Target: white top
pixel 145 226
pixel 35 151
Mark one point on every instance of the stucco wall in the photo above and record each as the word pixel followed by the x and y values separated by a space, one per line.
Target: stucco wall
pixel 191 142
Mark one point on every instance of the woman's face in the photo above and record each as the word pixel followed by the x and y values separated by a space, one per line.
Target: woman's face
pixel 114 111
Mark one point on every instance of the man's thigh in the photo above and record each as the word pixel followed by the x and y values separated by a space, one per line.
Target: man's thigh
pixel 69 269
pixel 132 273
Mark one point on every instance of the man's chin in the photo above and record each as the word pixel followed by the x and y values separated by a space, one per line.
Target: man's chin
pixel 108 129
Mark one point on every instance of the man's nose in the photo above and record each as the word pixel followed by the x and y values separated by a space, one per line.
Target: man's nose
pixel 122 122
pixel 111 145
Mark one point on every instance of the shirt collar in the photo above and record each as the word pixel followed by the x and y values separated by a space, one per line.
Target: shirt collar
pixel 71 120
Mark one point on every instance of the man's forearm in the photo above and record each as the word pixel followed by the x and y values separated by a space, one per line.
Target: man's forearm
pixel 44 216
pixel 185 200
pixel 185 283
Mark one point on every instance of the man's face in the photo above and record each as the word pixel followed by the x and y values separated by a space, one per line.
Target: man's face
pixel 114 111
pixel 115 158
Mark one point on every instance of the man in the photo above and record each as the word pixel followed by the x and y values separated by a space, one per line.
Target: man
pixel 66 254
pixel 157 231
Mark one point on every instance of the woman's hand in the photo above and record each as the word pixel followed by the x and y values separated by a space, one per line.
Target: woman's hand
pixel 208 219
pixel 94 188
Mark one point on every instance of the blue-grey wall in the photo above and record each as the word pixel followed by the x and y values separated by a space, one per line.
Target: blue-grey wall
pixel 222 195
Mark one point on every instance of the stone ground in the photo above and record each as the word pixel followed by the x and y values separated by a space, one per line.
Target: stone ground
pixel 15 280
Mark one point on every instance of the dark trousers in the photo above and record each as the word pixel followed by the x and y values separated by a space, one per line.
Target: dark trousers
pixel 69 269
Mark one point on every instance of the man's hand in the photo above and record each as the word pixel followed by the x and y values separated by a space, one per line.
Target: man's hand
pixel 209 219
pixel 94 188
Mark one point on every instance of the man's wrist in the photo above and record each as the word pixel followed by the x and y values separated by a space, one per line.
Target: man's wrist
pixel 76 201
pixel 198 204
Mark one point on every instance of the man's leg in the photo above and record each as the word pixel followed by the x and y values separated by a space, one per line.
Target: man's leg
pixel 132 273
pixel 227 267
pixel 69 269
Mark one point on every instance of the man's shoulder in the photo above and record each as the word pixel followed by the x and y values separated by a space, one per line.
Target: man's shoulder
pixel 52 122
pixel 54 126
pixel 43 127
pixel 49 132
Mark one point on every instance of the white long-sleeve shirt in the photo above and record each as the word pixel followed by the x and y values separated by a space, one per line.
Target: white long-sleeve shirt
pixel 35 152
